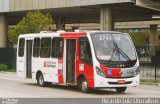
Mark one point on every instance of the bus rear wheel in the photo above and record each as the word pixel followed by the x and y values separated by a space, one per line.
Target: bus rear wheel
pixel 40 80
pixel 83 85
pixel 121 89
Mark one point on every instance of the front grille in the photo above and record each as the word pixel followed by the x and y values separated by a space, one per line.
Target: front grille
pixel 116 83
pixel 120 77
pixel 119 64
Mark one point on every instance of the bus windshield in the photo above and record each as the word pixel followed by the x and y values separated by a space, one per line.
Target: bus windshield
pixel 113 47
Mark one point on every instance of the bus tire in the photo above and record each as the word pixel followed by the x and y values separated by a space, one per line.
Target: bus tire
pixel 40 80
pixel 121 89
pixel 83 85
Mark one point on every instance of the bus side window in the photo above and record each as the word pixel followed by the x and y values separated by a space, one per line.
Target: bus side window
pixel 21 47
pixel 57 47
pixel 36 47
pixel 85 51
pixel 45 47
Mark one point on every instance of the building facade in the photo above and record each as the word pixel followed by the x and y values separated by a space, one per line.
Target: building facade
pixel 104 12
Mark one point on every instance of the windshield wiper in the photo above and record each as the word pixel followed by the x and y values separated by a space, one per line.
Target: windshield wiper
pixel 117 49
pixel 124 54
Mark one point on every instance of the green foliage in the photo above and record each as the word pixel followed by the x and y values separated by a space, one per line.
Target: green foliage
pixel 3 67
pixel 11 70
pixel 6 68
pixel 139 38
pixel 33 22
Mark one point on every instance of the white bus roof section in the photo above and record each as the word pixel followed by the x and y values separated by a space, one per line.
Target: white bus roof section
pixel 56 34
pixel 39 35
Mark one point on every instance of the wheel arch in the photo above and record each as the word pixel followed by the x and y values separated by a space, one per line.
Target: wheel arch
pixel 38 73
pixel 80 77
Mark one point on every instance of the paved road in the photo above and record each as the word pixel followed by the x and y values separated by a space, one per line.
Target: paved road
pixel 12 86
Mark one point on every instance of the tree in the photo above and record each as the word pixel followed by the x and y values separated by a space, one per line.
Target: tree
pixel 33 22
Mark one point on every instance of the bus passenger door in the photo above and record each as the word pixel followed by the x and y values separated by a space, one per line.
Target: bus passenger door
pixel 70 60
pixel 29 59
pixel 20 67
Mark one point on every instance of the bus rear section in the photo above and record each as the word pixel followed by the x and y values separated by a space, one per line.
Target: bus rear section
pixel 24 57
pixel 88 60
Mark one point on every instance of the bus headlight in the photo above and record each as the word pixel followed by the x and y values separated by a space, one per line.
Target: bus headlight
pixel 100 72
pixel 138 70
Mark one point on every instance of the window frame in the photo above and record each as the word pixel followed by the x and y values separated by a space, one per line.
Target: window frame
pixel 21 47
pixel 89 62
pixel 49 55
pixel 52 47
pixel 37 47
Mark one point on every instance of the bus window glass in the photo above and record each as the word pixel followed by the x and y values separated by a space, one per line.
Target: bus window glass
pixel 21 47
pixel 57 47
pixel 113 47
pixel 36 47
pixel 85 51
pixel 45 47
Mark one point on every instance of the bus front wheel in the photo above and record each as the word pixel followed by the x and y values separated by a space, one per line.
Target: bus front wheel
pixel 121 89
pixel 83 85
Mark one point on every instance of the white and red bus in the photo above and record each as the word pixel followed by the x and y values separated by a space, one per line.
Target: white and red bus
pixel 89 60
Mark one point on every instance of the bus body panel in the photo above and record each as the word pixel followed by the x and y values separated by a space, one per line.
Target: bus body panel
pixel 64 61
pixel 101 82
pixel 87 71
pixel 47 66
pixel 55 69
pixel 83 68
pixel 21 71
pixel 113 82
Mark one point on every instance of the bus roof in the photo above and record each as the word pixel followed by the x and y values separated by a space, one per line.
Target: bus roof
pixel 65 34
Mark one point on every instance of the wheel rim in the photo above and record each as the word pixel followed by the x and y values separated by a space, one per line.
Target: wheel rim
pixel 84 86
pixel 41 80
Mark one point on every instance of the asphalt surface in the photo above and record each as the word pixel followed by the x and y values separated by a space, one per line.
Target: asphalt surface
pixel 15 87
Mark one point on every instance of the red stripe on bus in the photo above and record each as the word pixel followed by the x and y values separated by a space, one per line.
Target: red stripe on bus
pixel 60 77
pixel 73 35
pixel 60 71
pixel 111 72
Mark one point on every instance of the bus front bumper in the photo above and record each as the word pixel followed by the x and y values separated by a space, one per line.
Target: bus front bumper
pixel 101 82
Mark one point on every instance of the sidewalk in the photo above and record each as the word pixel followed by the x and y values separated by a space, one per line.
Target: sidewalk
pixel 150 82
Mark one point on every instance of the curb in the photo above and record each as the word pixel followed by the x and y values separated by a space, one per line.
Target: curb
pixel 7 72
pixel 148 83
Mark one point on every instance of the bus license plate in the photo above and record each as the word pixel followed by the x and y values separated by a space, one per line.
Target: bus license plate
pixel 121 81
